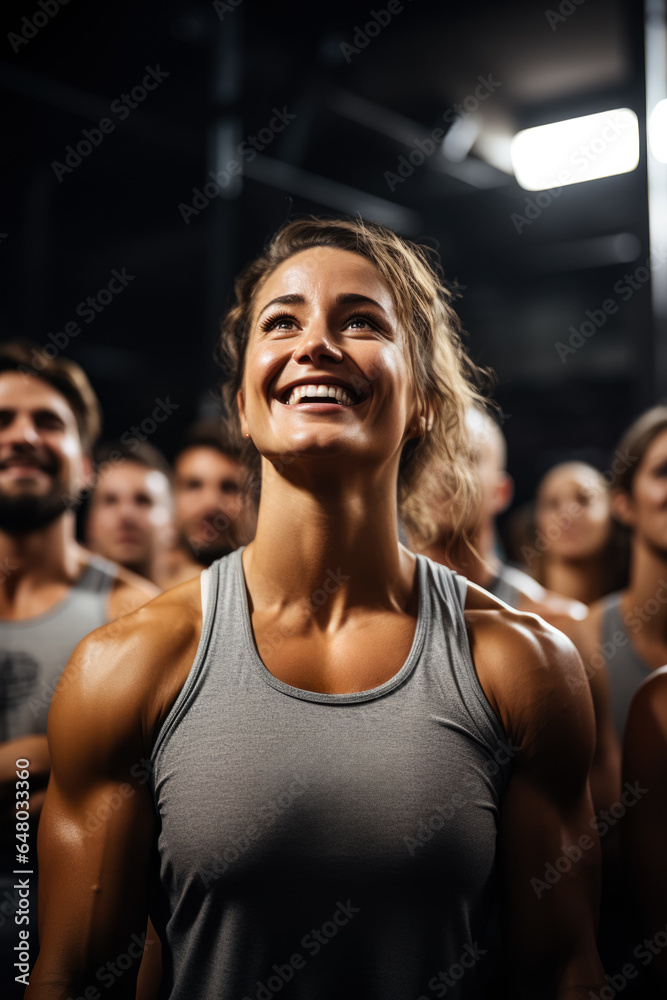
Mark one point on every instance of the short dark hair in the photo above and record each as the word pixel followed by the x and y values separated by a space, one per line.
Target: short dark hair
pixel 26 359
pixel 210 433
pixel 140 452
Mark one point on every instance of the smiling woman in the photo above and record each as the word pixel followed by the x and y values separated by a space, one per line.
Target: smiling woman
pixel 345 739
pixel 412 308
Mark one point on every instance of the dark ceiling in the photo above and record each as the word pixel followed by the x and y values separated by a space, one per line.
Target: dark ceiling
pixel 529 267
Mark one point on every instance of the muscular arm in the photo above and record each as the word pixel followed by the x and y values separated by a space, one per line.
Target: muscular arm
pixel 644 826
pixel 97 831
pixel 548 844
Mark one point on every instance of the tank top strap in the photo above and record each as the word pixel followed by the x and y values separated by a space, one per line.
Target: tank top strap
pixel 218 577
pixel 447 653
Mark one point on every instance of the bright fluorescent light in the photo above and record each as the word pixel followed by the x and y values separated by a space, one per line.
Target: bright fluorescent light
pixel 580 149
pixel 657 131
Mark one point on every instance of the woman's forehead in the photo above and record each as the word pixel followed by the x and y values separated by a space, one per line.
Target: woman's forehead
pixel 329 271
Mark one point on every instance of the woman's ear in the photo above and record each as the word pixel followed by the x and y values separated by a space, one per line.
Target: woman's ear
pixel 422 421
pixel 622 507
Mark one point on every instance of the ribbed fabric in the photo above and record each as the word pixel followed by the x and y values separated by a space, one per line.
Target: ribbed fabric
pixel 34 651
pixel 625 668
pixel 328 846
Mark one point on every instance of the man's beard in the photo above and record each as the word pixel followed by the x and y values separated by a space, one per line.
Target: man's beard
pixel 26 512
pixel 223 541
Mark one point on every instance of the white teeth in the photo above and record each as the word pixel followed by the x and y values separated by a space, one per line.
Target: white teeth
pixel 320 391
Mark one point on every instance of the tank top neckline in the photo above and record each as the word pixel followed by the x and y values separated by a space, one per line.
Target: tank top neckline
pixel 94 565
pixel 343 698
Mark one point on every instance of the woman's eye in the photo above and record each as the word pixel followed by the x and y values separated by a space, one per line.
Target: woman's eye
pixel 359 322
pixel 280 322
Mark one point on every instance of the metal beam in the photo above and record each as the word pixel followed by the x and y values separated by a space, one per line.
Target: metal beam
pixel 333 194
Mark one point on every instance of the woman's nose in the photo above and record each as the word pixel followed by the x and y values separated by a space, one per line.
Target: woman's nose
pixel 317 342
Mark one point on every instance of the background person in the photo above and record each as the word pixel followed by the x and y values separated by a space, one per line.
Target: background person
pixel 487 568
pixel 624 637
pixel 626 632
pixel 52 591
pixel 213 515
pixel 129 518
pixel 584 555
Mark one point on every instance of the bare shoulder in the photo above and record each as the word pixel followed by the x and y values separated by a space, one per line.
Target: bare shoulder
pixel 124 677
pixel 648 709
pixel 531 673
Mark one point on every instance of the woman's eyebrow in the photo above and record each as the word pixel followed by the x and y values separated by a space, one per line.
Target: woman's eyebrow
pixel 291 299
pixel 347 297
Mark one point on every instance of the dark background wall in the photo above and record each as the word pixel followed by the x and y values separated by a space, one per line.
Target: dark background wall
pixel 529 268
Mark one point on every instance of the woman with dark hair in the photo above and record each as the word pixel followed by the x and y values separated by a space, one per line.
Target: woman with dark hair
pixel 626 632
pixel 344 771
pixel 578 549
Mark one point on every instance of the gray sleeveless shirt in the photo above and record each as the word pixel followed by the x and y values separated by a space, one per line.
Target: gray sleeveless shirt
pixel 34 651
pixel 625 668
pixel 328 846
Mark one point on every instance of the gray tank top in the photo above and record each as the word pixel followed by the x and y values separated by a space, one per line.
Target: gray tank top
pixel 328 846
pixel 625 668
pixel 34 651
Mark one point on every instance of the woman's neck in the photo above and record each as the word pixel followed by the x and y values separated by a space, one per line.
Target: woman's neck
pixel 582 580
pixel 339 539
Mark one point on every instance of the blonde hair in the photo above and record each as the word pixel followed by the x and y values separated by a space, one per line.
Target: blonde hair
pixel 446 381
